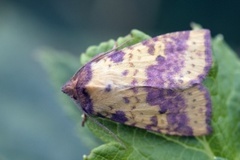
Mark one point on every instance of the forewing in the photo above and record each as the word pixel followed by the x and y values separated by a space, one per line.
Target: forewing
pixel 171 61
pixel 176 112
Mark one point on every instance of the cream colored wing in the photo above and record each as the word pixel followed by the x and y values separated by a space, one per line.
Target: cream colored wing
pixel 155 84
pixel 175 60
pixel 175 112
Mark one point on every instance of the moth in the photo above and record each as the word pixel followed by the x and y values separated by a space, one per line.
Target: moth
pixel 155 84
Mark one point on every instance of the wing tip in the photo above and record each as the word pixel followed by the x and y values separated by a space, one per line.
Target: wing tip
pixel 208 56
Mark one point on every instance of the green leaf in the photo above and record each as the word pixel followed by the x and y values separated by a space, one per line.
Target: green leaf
pixel 226 112
pixel 223 83
pixel 141 144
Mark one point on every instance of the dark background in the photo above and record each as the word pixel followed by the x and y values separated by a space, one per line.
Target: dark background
pixel 32 122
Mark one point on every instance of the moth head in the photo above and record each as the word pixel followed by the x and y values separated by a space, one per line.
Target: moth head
pixel 77 90
pixel 69 88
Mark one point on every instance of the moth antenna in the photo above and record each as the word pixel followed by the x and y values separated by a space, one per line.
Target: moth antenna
pixel 129 40
pixel 116 47
pixel 103 127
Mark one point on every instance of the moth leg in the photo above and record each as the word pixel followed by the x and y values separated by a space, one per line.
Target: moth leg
pixel 84 119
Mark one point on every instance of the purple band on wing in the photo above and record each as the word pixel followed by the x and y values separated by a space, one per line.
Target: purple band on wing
pixel 172 103
pixel 180 120
pixel 84 97
pixel 162 73
pixel 166 99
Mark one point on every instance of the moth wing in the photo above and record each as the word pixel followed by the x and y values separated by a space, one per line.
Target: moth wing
pixel 175 60
pixel 179 112
pixel 162 74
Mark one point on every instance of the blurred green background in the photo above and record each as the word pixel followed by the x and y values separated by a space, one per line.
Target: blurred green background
pixel 33 124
